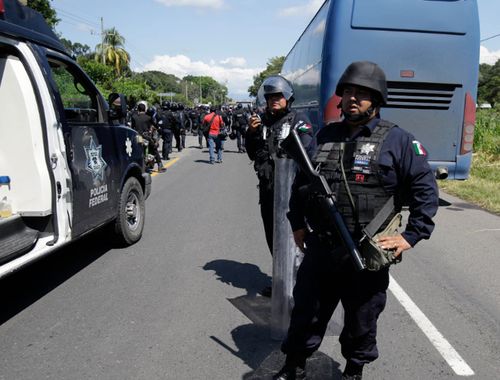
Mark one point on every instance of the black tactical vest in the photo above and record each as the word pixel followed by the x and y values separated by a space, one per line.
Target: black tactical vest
pixel 360 159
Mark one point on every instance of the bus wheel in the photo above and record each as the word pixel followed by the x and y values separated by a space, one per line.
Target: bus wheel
pixel 131 212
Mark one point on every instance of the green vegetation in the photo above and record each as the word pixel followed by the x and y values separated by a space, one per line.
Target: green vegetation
pixel 482 187
pixel 109 67
pixel 274 66
pixel 112 53
pixel 489 84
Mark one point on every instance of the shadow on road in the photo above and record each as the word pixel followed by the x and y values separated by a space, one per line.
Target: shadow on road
pixel 240 275
pixel 202 161
pixel 25 287
pixel 254 344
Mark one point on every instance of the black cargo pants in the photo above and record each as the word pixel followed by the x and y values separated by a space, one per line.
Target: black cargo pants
pixel 323 280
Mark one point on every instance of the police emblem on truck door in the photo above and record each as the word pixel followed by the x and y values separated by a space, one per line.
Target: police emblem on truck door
pixel 95 163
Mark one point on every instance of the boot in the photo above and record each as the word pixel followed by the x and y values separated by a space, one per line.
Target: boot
pixel 352 371
pixel 290 373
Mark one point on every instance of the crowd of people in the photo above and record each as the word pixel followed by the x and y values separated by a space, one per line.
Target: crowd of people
pixel 171 122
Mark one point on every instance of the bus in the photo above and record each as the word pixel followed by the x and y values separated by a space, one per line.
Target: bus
pixel 429 50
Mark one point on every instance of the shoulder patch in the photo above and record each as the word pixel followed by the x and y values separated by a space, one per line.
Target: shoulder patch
pixel 418 148
pixel 303 127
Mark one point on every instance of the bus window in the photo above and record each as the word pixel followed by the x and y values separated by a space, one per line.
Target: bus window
pixel 303 63
pixel 411 15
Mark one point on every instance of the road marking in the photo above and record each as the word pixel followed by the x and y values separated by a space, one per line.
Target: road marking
pixel 167 165
pixel 446 350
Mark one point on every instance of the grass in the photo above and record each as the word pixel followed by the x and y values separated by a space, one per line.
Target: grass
pixel 483 186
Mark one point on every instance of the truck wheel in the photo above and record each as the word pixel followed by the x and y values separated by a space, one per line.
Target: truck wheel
pixel 131 212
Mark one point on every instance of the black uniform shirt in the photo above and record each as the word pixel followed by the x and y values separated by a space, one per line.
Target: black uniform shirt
pixel 405 173
pixel 258 148
pixel 141 122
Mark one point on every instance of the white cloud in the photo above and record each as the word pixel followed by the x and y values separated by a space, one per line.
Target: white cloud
pixel 237 79
pixel 489 57
pixel 192 3
pixel 234 61
pixel 308 9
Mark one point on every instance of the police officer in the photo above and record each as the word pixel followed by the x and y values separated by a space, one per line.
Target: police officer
pixel 262 143
pixel 369 163
pixel 194 117
pixel 165 124
pixel 240 125
pixel 183 124
pixel 144 125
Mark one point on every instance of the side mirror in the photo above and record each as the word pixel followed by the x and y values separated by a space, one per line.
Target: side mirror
pixel 117 106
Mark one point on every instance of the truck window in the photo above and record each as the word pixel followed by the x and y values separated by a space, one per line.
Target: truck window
pixel 79 97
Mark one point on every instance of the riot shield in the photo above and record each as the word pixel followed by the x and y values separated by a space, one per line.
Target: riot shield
pixel 286 255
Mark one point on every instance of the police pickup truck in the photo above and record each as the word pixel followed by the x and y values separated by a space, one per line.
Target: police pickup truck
pixel 67 166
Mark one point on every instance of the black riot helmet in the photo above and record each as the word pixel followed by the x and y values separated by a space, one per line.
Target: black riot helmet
pixel 365 74
pixel 165 105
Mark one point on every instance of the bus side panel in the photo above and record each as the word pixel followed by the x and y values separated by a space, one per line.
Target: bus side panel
pixel 444 67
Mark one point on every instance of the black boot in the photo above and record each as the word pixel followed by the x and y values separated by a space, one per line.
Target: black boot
pixel 352 371
pixel 294 368
pixel 290 373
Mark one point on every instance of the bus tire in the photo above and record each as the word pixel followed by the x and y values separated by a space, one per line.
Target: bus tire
pixel 129 222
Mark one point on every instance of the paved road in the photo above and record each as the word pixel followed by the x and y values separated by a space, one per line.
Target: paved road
pixel 183 302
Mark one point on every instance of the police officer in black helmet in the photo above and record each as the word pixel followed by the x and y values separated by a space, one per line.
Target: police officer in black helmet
pixel 262 143
pixel 374 168
pixel 165 124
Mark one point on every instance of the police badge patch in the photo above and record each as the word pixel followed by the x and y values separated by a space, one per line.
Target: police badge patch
pixel 363 158
pixel 367 148
pixel 95 163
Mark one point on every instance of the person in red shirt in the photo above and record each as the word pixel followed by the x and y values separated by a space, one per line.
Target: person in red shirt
pixel 214 123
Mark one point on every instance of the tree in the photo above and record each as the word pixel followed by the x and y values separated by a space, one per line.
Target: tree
pixel 133 89
pixel 76 49
pixel 489 84
pixel 274 66
pixel 98 72
pixel 48 13
pixel 111 51
pixel 159 81
pixel 211 90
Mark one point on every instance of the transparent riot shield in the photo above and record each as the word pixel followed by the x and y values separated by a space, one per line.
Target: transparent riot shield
pixel 286 255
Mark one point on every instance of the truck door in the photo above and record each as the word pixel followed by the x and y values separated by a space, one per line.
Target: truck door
pixel 92 155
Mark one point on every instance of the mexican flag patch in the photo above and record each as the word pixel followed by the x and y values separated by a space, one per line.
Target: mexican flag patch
pixel 419 149
pixel 304 127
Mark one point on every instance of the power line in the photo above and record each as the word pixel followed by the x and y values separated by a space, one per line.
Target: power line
pixel 71 18
pixel 490 37
pixel 77 17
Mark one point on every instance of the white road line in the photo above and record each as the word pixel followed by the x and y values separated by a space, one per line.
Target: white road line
pixel 446 350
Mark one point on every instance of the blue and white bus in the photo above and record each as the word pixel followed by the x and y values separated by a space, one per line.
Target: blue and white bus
pixel 429 50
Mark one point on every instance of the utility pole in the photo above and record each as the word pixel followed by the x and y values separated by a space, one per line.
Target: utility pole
pixel 201 99
pixel 102 42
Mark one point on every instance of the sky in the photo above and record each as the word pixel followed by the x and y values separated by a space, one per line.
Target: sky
pixel 229 40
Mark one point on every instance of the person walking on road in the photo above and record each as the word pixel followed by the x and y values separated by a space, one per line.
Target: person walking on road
pixel 213 122
pixel 374 168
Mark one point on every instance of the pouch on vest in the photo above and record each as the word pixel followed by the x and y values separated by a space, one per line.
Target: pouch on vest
pixel 375 257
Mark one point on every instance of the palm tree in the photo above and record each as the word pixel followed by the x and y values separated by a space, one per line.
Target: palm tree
pixel 111 51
